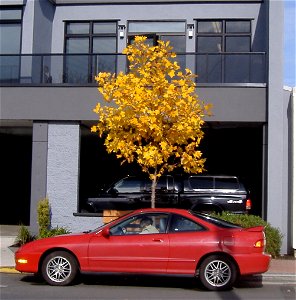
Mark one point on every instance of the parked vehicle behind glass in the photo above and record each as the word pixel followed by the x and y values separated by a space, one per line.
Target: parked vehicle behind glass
pixel 195 192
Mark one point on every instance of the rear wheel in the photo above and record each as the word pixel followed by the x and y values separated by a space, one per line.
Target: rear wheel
pixel 217 273
pixel 59 268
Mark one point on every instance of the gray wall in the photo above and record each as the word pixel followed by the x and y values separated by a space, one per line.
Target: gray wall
pixel 231 104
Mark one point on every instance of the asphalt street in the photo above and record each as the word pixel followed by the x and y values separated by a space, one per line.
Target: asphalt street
pixel 29 287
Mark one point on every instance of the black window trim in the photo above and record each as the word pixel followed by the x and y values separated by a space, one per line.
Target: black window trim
pixel 223 34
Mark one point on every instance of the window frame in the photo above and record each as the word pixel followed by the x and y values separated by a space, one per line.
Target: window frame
pixel 90 36
pixel 224 34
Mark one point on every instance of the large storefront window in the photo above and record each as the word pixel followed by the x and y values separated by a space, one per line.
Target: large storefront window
pixel 10 43
pixel 91 48
pixel 223 48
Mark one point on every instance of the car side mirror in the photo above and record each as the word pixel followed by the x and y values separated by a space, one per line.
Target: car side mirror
pixel 106 232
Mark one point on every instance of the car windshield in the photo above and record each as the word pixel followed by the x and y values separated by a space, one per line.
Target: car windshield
pixel 218 222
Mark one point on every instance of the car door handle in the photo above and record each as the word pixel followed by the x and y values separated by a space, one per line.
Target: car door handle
pixel 157 240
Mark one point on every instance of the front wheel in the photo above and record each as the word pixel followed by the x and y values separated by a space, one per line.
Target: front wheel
pixel 59 268
pixel 217 273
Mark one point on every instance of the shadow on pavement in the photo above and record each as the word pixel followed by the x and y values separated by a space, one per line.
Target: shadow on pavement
pixel 147 281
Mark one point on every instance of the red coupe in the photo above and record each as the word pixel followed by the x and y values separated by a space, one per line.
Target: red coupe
pixel 152 241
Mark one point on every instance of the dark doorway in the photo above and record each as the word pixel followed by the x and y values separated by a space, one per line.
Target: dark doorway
pixel 16 160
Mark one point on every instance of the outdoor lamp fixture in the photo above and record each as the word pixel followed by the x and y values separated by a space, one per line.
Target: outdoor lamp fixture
pixel 121 29
pixel 190 28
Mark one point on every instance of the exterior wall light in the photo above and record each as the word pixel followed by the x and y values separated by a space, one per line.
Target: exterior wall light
pixel 121 29
pixel 190 29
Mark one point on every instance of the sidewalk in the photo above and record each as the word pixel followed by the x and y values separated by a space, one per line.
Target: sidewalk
pixel 280 271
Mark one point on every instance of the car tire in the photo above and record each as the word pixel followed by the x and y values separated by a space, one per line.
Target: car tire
pixel 217 273
pixel 59 268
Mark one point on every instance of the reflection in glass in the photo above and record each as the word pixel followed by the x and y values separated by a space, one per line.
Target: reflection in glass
pixel 209 27
pixel 10 38
pixel 237 68
pixel 104 27
pixel 209 44
pixel 209 68
pixel 157 27
pixel 238 26
pixel 77 28
pixel 237 44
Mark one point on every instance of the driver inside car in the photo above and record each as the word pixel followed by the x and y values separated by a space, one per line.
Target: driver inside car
pixel 147 227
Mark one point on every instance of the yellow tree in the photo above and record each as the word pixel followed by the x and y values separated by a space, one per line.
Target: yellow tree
pixel 155 116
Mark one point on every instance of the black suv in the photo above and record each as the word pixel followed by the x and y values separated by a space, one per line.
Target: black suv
pixel 197 192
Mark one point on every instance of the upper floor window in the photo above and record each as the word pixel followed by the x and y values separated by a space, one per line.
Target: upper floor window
pixel 223 36
pixel 10 43
pixel 224 52
pixel 92 48
pixel 172 31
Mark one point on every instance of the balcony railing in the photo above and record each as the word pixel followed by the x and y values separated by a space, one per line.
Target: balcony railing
pixel 80 69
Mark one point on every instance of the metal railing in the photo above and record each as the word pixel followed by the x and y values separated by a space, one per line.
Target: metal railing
pixel 81 69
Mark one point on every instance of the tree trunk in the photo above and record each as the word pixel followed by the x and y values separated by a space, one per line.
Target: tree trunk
pixel 153 191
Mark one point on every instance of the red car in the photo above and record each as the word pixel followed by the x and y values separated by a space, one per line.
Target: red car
pixel 152 241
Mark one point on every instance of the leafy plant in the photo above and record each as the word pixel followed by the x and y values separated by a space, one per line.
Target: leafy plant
pixel 24 236
pixel 53 232
pixel 43 216
pixel 273 235
pixel 155 117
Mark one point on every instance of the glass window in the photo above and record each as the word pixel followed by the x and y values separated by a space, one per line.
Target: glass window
pixel 226 183
pixel 198 182
pixel 223 36
pixel 78 28
pixel 218 222
pixel 129 185
pixel 106 27
pixel 10 38
pixel 209 26
pixel 77 45
pixel 10 14
pixel 209 44
pixel 182 224
pixel 156 27
pixel 142 224
pixel 237 44
pixel 104 45
pixel 238 26
pixel 10 43
pixel 90 38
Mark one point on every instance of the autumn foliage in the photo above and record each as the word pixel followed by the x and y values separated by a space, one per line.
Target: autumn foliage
pixel 154 116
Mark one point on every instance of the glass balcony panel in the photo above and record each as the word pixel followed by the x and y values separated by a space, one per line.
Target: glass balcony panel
pixel 80 69
pixel 237 68
pixel 209 68
pixel 258 68
pixel 9 69
pixel 76 69
pixel 103 63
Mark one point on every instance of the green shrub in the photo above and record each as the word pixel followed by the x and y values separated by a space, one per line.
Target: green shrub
pixel 273 235
pixel 43 216
pixel 24 236
pixel 53 231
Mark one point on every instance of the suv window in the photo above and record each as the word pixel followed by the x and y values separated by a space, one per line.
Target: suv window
pixel 129 185
pixel 226 183
pixel 197 182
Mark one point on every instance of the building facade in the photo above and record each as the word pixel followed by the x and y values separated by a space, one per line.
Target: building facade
pixel 52 49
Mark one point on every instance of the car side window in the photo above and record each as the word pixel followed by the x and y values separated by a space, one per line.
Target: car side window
pixel 142 224
pixel 181 224
pixel 129 185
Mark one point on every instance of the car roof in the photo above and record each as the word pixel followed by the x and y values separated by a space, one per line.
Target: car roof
pixel 164 210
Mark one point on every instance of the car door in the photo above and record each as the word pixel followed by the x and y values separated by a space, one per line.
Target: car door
pixel 126 250
pixel 189 241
